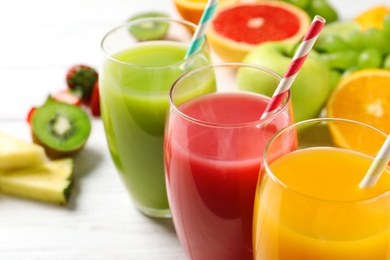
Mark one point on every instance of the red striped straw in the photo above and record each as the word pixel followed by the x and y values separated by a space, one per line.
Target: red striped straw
pixel 295 65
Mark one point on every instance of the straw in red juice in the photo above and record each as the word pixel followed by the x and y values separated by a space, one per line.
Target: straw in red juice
pixel 295 65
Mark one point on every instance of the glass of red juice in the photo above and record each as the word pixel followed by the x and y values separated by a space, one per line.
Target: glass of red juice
pixel 213 148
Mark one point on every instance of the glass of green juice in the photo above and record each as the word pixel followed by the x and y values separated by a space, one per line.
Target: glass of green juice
pixel 142 59
pixel 308 203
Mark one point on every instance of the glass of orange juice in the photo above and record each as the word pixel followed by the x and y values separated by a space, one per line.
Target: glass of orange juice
pixel 308 203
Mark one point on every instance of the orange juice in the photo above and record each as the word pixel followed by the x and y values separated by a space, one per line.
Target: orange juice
pixel 311 207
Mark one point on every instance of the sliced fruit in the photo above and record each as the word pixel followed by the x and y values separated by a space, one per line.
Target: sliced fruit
pixel 192 10
pixel 95 100
pixel 67 96
pixel 363 96
pixel 238 28
pixel 30 114
pixel 149 30
pixel 373 17
pixel 62 129
pixel 16 153
pixel 49 182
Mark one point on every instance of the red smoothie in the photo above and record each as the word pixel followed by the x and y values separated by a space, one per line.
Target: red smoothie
pixel 212 170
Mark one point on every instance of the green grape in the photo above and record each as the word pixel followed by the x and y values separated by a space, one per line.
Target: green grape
pixel 323 8
pixel 333 43
pixel 341 28
pixel 335 76
pixel 375 38
pixel 369 58
pixel 386 25
pixel 386 62
pixel 356 40
pixel 350 70
pixel 341 60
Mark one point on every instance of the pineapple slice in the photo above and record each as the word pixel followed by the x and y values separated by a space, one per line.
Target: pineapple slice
pixel 16 153
pixel 49 182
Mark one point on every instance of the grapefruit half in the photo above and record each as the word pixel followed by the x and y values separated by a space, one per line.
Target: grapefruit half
pixel 238 28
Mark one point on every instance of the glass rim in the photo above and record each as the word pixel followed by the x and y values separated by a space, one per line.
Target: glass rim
pixel 286 100
pixel 143 20
pixel 318 121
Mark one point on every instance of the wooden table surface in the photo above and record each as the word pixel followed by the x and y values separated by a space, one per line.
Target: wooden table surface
pixel 40 40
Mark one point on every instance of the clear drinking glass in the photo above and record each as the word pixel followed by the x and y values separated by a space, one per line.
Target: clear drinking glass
pixel 309 205
pixel 214 140
pixel 138 69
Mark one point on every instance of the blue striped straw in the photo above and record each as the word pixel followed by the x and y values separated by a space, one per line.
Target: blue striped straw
pixel 200 32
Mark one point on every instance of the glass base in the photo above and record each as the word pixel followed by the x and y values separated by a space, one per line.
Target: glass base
pixel 154 213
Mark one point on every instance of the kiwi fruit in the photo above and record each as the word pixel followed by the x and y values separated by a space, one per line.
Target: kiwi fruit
pixel 148 30
pixel 60 128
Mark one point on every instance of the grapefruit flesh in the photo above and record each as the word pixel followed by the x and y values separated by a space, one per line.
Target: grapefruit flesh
pixel 238 28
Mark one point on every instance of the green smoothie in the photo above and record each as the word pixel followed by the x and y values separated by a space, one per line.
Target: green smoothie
pixel 134 87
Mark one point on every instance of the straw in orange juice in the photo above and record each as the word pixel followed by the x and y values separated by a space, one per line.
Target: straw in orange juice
pixel 381 161
pixel 323 214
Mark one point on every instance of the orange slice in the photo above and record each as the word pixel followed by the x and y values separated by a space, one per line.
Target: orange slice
pixel 191 10
pixel 361 96
pixel 373 17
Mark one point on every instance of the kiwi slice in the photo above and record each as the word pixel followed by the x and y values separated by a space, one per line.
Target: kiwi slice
pixel 62 129
pixel 149 30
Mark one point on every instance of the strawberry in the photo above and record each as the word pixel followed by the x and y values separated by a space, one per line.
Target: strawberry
pixel 95 100
pixel 67 96
pixel 82 78
pixel 30 114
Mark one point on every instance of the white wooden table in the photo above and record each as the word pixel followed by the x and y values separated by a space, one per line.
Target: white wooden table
pixel 39 41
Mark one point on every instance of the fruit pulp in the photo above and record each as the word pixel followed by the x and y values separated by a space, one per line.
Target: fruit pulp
pixel 211 172
pixel 50 182
pixel 16 153
pixel 239 28
pixel 134 98
pixel 325 215
pixel 252 18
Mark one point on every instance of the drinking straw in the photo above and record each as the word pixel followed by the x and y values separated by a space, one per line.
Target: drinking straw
pixel 200 31
pixel 295 65
pixel 378 165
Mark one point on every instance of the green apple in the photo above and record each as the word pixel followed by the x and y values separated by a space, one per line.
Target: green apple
pixel 311 87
